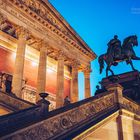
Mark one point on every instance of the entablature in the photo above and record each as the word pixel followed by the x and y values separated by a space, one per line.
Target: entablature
pixel 41 12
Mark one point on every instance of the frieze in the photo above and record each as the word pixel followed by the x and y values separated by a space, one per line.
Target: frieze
pixel 30 8
pixel 61 123
pixel 2 18
pixel 43 11
pixel 25 20
pixel 47 35
pixel 2 3
pixel 131 106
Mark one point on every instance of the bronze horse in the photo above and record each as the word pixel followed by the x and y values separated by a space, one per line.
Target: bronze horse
pixel 126 54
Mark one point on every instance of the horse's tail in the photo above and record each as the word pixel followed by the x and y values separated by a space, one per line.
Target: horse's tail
pixel 101 62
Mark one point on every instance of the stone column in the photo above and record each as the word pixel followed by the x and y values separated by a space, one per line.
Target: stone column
pixel 87 83
pixel 74 83
pixel 60 81
pixel 41 79
pixel 19 62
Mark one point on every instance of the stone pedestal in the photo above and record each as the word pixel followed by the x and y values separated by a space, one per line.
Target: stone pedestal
pixel 41 80
pixel 60 82
pixel 19 62
pixel 130 82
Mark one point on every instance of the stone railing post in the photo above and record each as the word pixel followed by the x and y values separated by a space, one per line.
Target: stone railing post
pixel 44 104
pixel 117 88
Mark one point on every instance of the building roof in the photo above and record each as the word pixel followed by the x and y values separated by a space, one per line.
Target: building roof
pixel 67 26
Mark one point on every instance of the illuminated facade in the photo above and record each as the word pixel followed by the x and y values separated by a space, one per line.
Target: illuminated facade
pixel 40 52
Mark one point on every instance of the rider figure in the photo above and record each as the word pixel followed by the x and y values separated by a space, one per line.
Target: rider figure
pixel 114 47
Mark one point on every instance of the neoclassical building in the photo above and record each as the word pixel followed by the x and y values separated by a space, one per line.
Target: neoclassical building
pixel 40 52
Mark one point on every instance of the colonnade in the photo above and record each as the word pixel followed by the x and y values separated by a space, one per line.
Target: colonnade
pixel 41 80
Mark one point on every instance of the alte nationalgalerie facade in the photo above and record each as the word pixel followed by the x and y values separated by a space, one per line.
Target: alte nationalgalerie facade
pixel 41 51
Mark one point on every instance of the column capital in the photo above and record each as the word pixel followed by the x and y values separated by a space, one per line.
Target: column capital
pixel 21 32
pixel 87 71
pixel 60 55
pixel 42 45
pixel 75 64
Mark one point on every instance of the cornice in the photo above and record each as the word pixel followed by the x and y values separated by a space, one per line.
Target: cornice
pixel 65 23
pixel 55 28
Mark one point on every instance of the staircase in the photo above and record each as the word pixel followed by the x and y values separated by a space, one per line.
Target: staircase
pixel 67 122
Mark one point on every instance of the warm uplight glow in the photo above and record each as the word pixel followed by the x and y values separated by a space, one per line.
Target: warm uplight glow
pixel 13 55
pixel 34 64
pixel 49 70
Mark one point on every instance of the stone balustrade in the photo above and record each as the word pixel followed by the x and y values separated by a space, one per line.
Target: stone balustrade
pixel 14 102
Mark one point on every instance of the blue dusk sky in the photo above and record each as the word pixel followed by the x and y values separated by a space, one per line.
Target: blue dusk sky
pixel 97 21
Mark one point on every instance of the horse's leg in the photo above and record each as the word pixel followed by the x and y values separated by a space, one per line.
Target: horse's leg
pixel 111 71
pixel 132 65
pixel 135 58
pixel 107 68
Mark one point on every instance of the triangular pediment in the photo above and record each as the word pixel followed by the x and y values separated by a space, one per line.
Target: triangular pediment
pixel 55 18
pixel 47 15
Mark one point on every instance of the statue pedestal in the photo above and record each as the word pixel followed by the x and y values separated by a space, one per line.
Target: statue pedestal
pixel 130 82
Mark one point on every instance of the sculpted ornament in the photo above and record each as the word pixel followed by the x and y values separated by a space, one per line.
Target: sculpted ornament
pixel 61 123
pixel 42 11
pixel 21 32
pixel 60 55
pixel 3 4
pixel 75 64
pixel 87 71
pixel 2 18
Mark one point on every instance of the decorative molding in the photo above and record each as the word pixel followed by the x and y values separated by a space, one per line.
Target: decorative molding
pixel 131 106
pixel 13 101
pixel 21 32
pixel 75 64
pixel 40 12
pixel 52 39
pixel 63 122
pixel 60 55
pixel 2 3
pixel 87 71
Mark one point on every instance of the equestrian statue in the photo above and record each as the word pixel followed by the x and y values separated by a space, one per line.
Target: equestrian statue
pixel 117 53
